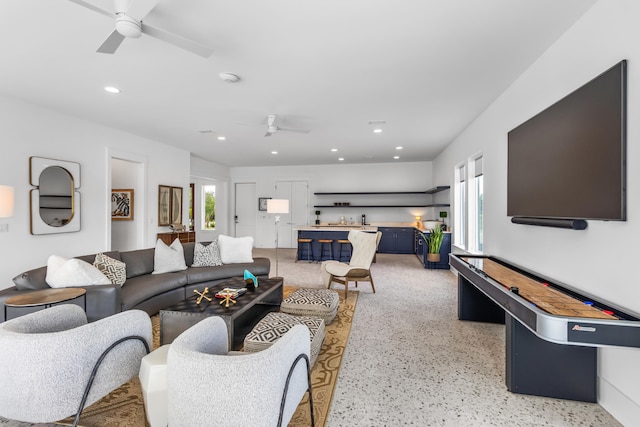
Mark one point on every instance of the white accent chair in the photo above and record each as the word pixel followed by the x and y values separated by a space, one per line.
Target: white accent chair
pixel 53 363
pixel 208 387
pixel 365 245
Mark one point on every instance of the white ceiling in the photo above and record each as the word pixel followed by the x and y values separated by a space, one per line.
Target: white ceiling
pixel 426 67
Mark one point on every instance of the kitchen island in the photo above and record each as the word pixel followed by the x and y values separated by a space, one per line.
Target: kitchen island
pixel 397 238
pixel 333 232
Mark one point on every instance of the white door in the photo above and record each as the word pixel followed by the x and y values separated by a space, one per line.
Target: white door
pixel 246 209
pixel 297 192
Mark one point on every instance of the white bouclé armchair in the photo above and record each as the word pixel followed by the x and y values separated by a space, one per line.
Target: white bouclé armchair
pixel 53 363
pixel 207 386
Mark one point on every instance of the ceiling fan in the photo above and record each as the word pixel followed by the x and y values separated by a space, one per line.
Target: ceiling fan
pixel 128 15
pixel 273 128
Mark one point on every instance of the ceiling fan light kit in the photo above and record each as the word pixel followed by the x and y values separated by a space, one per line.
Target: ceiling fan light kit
pixel 128 26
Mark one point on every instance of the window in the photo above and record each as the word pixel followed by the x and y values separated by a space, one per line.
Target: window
pixel 460 211
pixel 475 220
pixel 208 207
pixel 469 205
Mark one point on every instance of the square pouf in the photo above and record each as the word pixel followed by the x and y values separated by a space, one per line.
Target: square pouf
pixel 275 324
pixel 321 303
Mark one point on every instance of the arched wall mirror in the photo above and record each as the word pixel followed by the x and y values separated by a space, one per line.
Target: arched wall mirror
pixel 55 203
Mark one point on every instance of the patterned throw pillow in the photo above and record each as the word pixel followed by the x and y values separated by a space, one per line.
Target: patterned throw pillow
pixel 115 270
pixel 205 256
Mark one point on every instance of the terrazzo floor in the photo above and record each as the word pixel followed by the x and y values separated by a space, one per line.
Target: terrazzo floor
pixel 411 362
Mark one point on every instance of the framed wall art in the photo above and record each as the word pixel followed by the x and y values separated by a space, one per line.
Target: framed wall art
pixel 164 205
pixel 122 204
pixel 176 205
pixel 262 203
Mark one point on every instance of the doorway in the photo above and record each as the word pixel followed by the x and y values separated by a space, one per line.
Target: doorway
pixel 129 174
pixel 297 192
pixel 246 209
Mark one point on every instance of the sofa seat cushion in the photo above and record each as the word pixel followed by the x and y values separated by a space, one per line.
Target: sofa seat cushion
pixel 141 288
pixel 195 275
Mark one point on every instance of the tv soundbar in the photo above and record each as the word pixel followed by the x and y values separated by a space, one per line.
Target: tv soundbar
pixel 574 224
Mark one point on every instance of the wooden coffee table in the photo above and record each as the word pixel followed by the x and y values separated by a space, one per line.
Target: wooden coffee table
pixel 240 317
pixel 44 297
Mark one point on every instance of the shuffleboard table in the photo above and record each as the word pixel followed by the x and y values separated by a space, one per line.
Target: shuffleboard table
pixel 552 330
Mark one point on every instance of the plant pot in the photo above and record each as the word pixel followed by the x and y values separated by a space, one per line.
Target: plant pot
pixel 433 257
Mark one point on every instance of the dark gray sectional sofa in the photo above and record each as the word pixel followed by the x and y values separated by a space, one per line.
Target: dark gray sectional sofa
pixel 142 290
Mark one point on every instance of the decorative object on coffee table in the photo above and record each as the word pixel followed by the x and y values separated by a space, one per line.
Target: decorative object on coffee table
pixel 251 280
pixel 228 297
pixel 202 294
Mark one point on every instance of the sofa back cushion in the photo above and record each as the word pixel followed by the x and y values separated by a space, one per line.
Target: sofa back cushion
pixel 138 262
pixel 36 279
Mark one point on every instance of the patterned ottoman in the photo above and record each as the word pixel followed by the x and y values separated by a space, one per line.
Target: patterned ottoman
pixel 275 324
pixel 321 303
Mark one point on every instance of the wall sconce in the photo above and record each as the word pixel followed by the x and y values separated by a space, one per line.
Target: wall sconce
pixel 6 201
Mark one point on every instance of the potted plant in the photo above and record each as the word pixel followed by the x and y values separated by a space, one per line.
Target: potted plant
pixel 434 241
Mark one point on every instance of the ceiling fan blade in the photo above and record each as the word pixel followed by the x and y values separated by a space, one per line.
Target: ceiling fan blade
pixel 294 130
pixel 141 8
pixel 178 41
pixel 110 45
pixel 83 3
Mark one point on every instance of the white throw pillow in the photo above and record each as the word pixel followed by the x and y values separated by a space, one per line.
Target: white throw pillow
pixel 63 272
pixel 206 256
pixel 168 258
pixel 235 249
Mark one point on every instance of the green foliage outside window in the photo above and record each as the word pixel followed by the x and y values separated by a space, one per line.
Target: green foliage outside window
pixel 209 222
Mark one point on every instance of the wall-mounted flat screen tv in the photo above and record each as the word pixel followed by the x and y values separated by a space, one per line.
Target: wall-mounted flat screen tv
pixel 569 161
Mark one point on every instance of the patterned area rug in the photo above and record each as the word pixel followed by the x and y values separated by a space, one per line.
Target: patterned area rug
pixel 124 407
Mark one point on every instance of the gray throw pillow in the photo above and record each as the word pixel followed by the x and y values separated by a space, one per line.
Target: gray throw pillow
pixel 206 256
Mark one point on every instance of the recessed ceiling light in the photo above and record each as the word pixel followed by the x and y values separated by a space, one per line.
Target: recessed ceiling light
pixel 377 130
pixel 334 149
pixel 274 152
pixel 341 159
pixel 398 148
pixel 396 157
pixel 112 89
pixel 222 138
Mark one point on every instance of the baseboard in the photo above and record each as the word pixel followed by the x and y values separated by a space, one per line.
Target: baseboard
pixel 617 403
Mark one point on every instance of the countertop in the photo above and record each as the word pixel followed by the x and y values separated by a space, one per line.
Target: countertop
pixel 369 227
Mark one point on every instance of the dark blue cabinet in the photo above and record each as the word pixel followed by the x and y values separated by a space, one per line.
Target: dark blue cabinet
pixel 396 240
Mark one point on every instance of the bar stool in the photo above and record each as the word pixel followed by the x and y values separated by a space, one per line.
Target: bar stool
pixel 301 247
pixel 324 242
pixel 341 243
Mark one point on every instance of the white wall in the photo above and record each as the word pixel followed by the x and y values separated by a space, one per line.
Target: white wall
pixel 601 259
pixel 415 176
pixel 27 130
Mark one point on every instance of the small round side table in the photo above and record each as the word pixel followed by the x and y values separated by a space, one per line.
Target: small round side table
pixel 45 298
